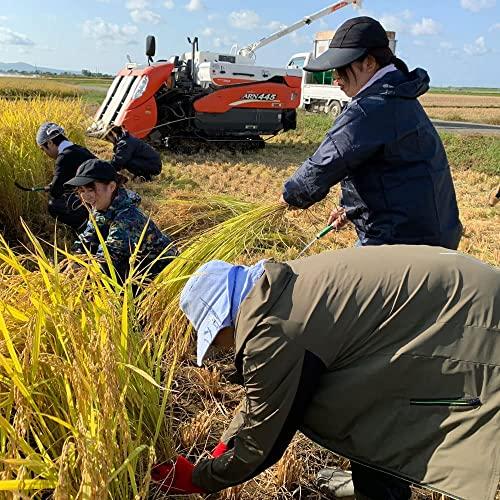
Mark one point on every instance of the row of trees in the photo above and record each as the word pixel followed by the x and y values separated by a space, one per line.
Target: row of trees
pixel 90 74
pixel 85 72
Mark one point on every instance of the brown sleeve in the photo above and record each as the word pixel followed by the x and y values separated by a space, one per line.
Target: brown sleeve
pixel 272 368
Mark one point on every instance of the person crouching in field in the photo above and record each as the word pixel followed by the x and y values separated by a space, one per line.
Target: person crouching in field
pixel 119 220
pixel 388 355
pixel 63 204
pixel 130 153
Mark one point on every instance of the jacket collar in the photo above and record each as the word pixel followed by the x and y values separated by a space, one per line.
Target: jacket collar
pixel 258 303
pixel 377 76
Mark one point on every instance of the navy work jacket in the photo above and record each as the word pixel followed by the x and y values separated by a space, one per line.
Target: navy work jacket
pixel 394 174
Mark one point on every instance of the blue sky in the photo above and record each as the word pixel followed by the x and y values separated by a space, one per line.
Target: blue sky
pixel 457 41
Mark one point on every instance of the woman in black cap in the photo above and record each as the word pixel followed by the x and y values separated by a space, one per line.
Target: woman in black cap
pixel 120 222
pixel 383 149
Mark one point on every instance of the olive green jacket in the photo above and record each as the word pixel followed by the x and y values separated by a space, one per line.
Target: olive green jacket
pixel 410 340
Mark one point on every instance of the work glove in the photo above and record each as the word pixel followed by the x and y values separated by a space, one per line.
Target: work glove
pixel 175 479
pixel 336 482
pixel 219 450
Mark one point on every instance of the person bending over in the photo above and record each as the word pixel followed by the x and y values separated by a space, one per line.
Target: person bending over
pixel 387 355
pixel 133 154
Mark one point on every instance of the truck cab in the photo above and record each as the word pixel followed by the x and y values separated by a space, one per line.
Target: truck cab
pixel 319 92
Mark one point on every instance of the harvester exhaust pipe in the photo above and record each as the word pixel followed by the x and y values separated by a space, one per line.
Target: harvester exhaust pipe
pixel 194 48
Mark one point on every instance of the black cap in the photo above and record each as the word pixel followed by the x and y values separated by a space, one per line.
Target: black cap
pixel 351 41
pixel 93 170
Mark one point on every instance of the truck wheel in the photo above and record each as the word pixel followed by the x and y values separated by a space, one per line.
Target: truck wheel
pixel 334 109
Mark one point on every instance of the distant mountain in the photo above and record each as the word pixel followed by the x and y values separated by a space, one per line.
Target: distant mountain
pixel 29 68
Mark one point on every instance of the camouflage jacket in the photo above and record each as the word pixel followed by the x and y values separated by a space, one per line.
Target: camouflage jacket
pixel 121 227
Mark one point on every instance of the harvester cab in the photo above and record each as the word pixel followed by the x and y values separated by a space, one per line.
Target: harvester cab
pixel 205 96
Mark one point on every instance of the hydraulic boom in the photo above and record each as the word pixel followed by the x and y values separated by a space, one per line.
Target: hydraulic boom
pixel 249 50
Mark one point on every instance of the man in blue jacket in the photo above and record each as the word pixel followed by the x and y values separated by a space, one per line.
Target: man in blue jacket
pixel 383 149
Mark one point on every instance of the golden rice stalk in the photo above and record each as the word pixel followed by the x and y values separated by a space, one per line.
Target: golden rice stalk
pixel 208 380
pixel 288 469
pixel 81 411
pixel 195 430
pixel 261 230
pixel 185 215
pixel 233 493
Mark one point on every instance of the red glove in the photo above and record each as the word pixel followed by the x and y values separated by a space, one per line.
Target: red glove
pixel 176 479
pixel 219 450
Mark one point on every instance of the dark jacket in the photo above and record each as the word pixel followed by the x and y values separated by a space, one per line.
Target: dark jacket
pixel 136 156
pixel 392 166
pixel 67 163
pixel 387 355
pixel 121 227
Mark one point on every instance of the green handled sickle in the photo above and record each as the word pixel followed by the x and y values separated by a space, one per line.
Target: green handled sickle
pixel 322 233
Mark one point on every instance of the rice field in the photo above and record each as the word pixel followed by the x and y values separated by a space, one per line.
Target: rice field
pixel 467 108
pixel 28 88
pixel 431 100
pixel 95 384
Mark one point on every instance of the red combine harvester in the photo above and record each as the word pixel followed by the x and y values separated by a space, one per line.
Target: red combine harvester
pixel 206 96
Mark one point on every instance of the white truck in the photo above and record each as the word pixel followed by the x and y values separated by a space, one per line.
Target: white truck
pixel 319 92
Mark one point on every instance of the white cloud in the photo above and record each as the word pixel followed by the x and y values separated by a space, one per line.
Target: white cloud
pixel 396 22
pixel 208 31
pixel 225 41
pixel 427 26
pixel 477 5
pixel 3 19
pixel 419 43
pixel 211 17
pixel 145 16
pixel 244 19
pixel 169 4
pixel 494 27
pixel 140 12
pixel 478 48
pixel 9 37
pixel 137 4
pixel 448 48
pixel 104 32
pixel 195 5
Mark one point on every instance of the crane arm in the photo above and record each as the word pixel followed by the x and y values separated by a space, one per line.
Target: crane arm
pixel 249 50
